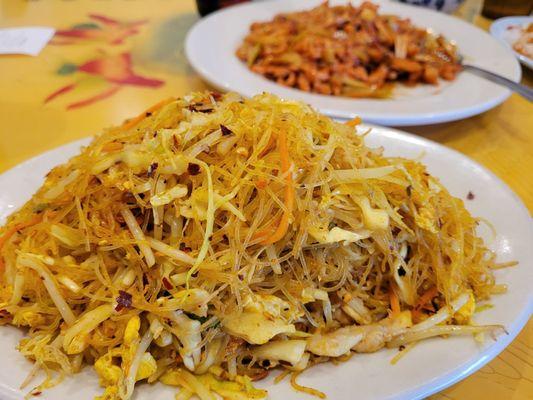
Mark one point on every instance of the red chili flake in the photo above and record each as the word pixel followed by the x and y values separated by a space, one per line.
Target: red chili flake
pixel 167 284
pixel 148 114
pixel 184 248
pixel 36 393
pixel 260 375
pixel 5 315
pixel 175 141
pixel 216 95
pixel 124 300
pixel 225 130
pixel 193 169
pixel 199 107
pixel 470 196
pixel 151 169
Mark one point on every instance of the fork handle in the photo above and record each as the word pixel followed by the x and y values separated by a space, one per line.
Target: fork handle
pixel 522 90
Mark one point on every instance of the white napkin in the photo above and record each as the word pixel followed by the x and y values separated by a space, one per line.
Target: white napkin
pixel 25 40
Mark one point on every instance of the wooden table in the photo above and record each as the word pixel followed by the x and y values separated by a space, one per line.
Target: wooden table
pixel 138 58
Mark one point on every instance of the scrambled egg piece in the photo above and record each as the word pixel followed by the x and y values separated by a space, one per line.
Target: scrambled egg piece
pixel 261 319
pixel 111 374
pixel 425 219
pixel 196 205
pixel 204 385
pixel 147 367
pixel 29 318
pixel 108 373
pixel 131 333
pixel 463 315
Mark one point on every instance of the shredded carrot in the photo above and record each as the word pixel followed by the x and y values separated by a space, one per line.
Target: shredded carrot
pixel 353 122
pixel 394 302
pixel 261 183
pixel 422 301
pixel 112 146
pixel 11 231
pixel 288 201
pixel 134 121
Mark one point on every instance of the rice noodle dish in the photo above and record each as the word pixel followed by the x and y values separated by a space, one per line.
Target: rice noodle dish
pixel 214 239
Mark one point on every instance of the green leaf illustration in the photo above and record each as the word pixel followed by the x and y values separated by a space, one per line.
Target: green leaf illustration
pixel 86 25
pixel 67 69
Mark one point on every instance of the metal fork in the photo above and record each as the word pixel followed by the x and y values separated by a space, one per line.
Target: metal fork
pixel 522 90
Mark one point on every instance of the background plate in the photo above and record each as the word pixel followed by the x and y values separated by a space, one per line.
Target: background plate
pixel 429 367
pixel 211 44
pixel 507 31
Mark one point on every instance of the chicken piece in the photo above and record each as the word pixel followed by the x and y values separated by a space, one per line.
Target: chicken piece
pixel 303 83
pixel 403 64
pixel 362 339
pixel 336 343
pixel 431 75
pixel 379 75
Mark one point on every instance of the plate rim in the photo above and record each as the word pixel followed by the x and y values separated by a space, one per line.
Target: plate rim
pixel 438 383
pixel 389 119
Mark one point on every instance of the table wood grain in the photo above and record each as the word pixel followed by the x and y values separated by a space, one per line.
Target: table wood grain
pixel 41 96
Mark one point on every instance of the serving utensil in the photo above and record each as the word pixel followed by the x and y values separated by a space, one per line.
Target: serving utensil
pixel 522 90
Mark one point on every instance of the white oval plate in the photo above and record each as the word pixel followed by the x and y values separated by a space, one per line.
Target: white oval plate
pixel 429 367
pixel 211 44
pixel 507 31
